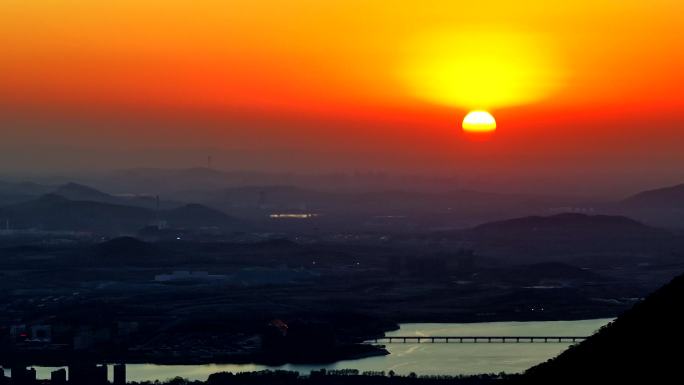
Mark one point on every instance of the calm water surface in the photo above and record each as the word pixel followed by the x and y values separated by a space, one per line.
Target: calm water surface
pixel 423 358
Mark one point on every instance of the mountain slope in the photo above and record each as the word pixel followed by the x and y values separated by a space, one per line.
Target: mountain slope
pixel 54 212
pixel 667 197
pixel 641 344
pixel 79 192
pixel 660 207
pixel 14 192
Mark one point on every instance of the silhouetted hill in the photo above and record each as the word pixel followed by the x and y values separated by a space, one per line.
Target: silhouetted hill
pixel 640 345
pixel 667 197
pixel 25 188
pixel 14 192
pixel 563 236
pixel 55 212
pixel 125 246
pixel 660 207
pixel 79 192
pixel 564 226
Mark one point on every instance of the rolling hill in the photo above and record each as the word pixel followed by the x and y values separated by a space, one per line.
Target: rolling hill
pixel 660 207
pixel 563 237
pixel 667 197
pixel 55 212
pixel 566 226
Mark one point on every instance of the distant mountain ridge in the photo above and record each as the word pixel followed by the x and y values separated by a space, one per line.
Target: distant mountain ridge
pixel 14 192
pixel 25 191
pixel 396 207
pixel 125 246
pixel 55 212
pixel 79 192
pixel 661 206
pixel 666 197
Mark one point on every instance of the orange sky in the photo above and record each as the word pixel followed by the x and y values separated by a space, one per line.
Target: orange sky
pixel 259 75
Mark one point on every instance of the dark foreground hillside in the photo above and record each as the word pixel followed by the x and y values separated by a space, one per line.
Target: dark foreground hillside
pixel 643 344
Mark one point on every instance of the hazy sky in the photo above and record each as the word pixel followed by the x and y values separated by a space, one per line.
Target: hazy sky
pixel 588 89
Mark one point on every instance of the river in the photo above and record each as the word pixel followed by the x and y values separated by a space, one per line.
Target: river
pixel 425 358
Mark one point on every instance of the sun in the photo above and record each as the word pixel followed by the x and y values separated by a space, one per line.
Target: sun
pixel 479 122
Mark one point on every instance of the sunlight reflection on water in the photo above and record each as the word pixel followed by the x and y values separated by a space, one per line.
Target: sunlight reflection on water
pixel 424 358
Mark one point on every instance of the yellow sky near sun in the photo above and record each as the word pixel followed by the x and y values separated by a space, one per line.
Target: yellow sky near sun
pixel 332 56
pixel 480 68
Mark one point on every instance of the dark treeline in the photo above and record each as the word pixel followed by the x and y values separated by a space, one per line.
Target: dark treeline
pixel 332 377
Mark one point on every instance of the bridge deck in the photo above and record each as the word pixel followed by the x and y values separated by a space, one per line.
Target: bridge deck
pixel 489 339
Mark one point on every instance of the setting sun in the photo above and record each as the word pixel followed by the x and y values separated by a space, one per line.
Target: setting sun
pixel 479 122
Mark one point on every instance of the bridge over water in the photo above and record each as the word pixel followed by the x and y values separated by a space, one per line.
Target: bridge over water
pixel 474 339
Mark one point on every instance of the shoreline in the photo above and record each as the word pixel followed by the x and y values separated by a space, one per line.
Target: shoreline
pixel 344 353
pixel 351 351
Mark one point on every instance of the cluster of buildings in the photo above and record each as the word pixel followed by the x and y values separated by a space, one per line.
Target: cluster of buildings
pixel 78 374
pixel 64 335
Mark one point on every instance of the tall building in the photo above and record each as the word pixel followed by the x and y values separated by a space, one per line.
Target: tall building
pixel 120 374
pixel 88 374
pixel 58 377
pixel 23 376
